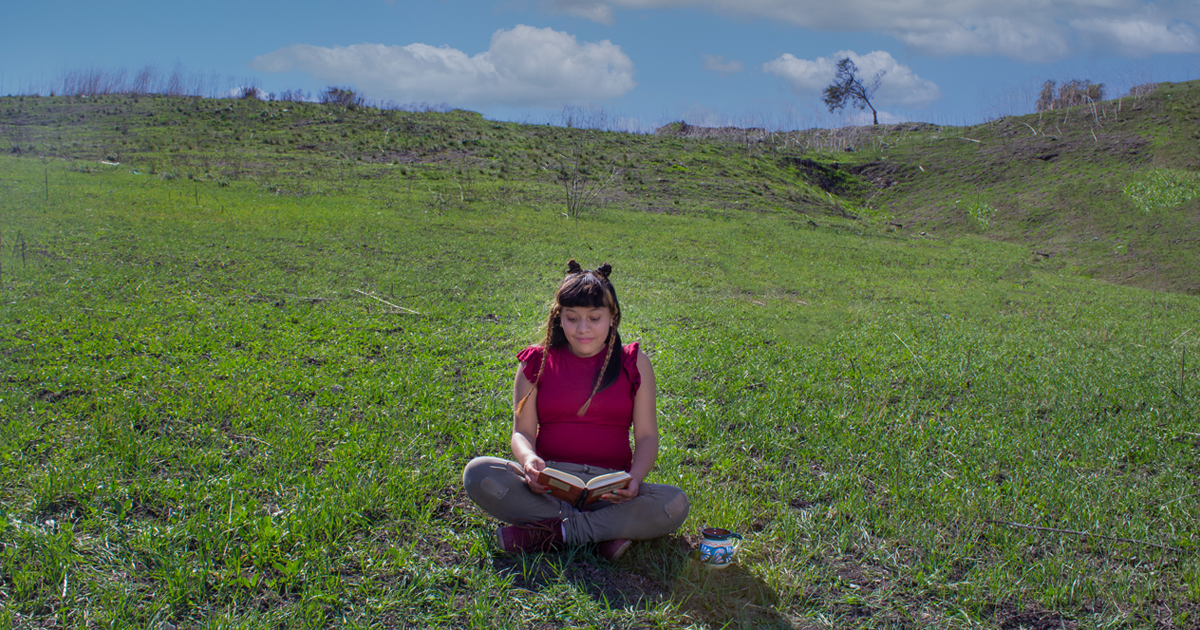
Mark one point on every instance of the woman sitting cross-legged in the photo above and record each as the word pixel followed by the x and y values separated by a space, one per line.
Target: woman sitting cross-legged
pixel 575 400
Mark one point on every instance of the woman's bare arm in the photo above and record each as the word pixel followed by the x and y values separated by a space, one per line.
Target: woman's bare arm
pixel 645 432
pixel 524 433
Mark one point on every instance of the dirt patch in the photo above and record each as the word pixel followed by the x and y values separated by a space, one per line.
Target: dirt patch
pixel 620 588
pixel 1182 615
pixel 882 174
pixel 1037 620
pixel 1043 148
pixel 452 504
pixel 52 397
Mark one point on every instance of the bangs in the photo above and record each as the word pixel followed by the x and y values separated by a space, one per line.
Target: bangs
pixel 586 292
pixel 588 289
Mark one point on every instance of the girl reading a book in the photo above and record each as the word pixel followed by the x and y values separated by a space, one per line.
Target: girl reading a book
pixel 576 398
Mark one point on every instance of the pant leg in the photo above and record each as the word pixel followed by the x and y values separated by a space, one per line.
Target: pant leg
pixel 657 511
pixel 494 486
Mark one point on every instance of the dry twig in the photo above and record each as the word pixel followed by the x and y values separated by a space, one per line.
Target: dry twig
pixel 1084 534
pixel 1186 496
pixel 379 299
pixel 910 351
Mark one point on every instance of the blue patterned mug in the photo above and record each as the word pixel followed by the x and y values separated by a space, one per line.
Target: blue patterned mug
pixel 718 547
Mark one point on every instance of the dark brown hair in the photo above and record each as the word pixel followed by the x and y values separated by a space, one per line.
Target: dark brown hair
pixel 588 289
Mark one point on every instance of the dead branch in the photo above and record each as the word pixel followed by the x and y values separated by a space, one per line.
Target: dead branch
pixel 379 299
pixel 1083 534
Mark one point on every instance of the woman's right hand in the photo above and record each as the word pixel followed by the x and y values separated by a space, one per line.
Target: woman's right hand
pixel 533 466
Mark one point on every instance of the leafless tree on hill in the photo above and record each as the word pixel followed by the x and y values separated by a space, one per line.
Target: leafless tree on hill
pixel 1069 94
pixel 849 89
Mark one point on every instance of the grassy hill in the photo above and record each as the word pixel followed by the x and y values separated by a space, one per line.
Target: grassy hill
pixel 1109 189
pixel 246 348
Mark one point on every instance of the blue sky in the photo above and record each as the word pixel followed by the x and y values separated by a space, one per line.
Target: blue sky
pixel 637 63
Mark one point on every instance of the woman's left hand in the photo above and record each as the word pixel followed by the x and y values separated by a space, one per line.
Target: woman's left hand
pixel 624 494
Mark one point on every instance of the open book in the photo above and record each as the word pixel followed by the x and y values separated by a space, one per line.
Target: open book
pixel 573 490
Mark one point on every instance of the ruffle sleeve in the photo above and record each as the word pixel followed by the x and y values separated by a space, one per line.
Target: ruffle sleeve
pixel 531 357
pixel 629 364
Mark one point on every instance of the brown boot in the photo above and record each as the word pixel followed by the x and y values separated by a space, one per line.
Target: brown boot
pixel 612 549
pixel 529 537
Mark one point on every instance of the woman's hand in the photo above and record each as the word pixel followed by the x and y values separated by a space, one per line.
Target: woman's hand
pixel 532 467
pixel 624 494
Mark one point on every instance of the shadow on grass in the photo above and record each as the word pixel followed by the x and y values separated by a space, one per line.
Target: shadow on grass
pixel 727 598
pixel 655 572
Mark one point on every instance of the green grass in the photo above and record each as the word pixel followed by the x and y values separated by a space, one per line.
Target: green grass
pixel 205 422
pixel 1163 188
pixel 1069 184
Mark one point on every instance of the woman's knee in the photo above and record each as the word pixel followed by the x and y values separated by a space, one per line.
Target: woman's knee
pixel 479 478
pixel 475 469
pixel 676 510
pixel 669 511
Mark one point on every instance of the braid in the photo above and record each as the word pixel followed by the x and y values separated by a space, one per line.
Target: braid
pixel 581 288
pixel 553 321
pixel 603 368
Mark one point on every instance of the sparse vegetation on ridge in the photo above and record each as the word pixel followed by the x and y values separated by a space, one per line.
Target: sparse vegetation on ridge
pixel 246 347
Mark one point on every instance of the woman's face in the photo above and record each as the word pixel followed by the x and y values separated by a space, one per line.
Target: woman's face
pixel 586 328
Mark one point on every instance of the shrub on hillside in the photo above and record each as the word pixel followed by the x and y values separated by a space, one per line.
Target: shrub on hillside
pixel 1069 94
pixel 342 97
pixel 1145 89
pixel 295 96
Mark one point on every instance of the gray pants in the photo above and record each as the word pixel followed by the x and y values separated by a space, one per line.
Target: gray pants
pixel 494 485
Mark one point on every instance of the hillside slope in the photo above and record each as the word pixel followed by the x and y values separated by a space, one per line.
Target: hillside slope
pixel 1057 182
pixel 1054 182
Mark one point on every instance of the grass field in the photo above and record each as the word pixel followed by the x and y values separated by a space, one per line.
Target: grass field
pixel 239 378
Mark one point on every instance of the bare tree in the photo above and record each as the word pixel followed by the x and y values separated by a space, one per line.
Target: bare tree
pixel 297 96
pixel 848 88
pixel 581 171
pixel 143 83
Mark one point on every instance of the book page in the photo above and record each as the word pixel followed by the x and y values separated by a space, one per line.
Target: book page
pixel 609 478
pixel 555 474
pixel 618 479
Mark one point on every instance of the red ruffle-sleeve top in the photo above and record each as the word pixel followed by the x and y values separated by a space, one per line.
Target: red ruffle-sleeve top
pixel 600 437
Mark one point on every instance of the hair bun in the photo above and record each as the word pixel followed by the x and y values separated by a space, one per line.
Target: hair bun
pixel 573 267
pixel 604 270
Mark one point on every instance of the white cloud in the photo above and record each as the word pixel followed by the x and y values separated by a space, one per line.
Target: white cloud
pixel 1137 38
pixel 899 86
pixel 595 11
pixel 523 67
pixel 1026 41
pixel 718 65
pixel 1028 30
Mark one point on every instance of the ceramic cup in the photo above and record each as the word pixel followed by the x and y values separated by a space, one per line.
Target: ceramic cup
pixel 718 547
